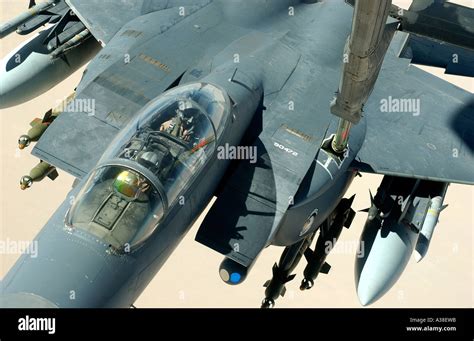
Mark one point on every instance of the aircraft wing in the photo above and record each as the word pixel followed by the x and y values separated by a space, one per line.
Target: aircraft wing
pixel 441 35
pixel 438 19
pixel 104 18
pixel 417 124
pixel 454 59
pixel 138 64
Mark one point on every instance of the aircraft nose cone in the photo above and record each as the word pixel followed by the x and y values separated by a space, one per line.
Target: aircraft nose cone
pixel 386 251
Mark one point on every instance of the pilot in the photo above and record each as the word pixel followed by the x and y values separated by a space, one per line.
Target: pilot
pixel 179 126
pixel 130 185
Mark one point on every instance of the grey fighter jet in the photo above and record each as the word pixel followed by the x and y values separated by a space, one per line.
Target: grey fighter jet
pixel 271 106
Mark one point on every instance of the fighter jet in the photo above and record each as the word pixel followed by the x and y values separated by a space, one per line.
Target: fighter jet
pixel 273 107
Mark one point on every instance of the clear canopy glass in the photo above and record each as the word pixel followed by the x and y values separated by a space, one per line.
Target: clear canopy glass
pixel 150 163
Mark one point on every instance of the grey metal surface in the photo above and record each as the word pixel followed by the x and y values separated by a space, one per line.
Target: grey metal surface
pixel 454 59
pixel 105 18
pixel 435 143
pixel 11 25
pixel 264 191
pixel 440 20
pixel 120 89
pixel 91 137
pixel 52 15
pixel 363 55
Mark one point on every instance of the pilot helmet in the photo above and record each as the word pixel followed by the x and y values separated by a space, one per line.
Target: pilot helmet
pixel 179 114
pixel 127 184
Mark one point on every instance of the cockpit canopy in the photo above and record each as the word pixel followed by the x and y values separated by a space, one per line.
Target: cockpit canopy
pixel 150 163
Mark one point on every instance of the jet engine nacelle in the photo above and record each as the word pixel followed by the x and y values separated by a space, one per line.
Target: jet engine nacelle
pixel 397 217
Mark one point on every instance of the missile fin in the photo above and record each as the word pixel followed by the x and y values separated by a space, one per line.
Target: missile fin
pixel 290 278
pixel 53 174
pixel 35 122
pixel 325 268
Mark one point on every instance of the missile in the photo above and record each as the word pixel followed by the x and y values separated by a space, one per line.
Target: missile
pixel 31 69
pixel 11 25
pixel 429 225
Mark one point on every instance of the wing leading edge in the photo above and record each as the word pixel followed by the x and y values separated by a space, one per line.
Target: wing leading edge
pixel 104 18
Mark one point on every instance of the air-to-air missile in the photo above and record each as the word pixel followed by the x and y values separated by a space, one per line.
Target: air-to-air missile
pixel 50 15
pixel 12 25
pixel 32 68
pixel 388 241
pixel 38 173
